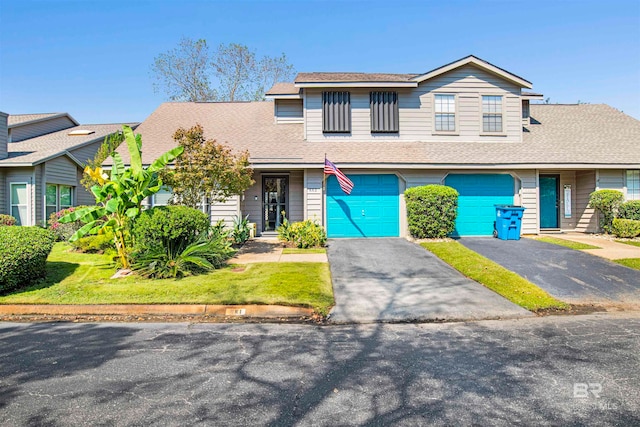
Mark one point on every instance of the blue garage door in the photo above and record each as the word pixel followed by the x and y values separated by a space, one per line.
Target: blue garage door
pixel 371 210
pixel 478 195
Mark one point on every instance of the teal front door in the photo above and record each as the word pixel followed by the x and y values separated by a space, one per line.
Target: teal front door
pixel 549 201
pixel 371 210
pixel 479 193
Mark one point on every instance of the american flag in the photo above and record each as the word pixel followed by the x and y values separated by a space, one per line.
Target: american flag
pixel 345 183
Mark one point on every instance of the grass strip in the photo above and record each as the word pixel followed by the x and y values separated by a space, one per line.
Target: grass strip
pixel 629 262
pixel 629 242
pixel 567 243
pixel 495 277
pixel 287 251
pixel 74 278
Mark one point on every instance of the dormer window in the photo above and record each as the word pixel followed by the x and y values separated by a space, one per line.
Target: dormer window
pixel 336 112
pixel 491 113
pixel 384 112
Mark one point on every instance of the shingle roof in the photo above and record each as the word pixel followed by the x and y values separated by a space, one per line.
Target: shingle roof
pixel 35 150
pixel 283 89
pixel 566 134
pixel 352 77
pixel 23 119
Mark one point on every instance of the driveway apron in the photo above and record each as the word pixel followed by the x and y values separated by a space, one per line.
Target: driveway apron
pixel 393 280
pixel 567 274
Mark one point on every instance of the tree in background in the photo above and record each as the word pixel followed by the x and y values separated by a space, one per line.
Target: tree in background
pixel 233 72
pixel 206 169
pixel 110 144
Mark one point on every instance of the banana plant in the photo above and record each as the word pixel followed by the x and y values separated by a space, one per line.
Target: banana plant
pixel 119 195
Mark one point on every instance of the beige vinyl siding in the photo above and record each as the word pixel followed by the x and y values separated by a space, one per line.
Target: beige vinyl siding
pixel 288 111
pixel 226 211
pixel 611 179
pixel 586 220
pixel 252 203
pixel 18 175
pixel 416 110
pixel 313 194
pixel 61 170
pixel 87 152
pixel 21 133
pixel 528 197
pixel 296 196
pixel 3 136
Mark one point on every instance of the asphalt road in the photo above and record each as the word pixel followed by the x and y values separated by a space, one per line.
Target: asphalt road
pixel 540 371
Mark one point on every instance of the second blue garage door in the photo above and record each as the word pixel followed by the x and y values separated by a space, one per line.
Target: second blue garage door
pixel 479 193
pixel 371 210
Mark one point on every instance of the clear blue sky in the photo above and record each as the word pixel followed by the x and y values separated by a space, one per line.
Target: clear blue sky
pixel 92 58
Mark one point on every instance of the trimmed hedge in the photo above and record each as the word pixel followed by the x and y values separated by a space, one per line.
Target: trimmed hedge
pixel 431 210
pixel 7 220
pixel 303 234
pixel 627 228
pixel 23 255
pixel 99 243
pixel 166 226
pixel 607 203
pixel 630 210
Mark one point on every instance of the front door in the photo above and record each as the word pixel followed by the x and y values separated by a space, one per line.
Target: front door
pixel 549 202
pixel 275 197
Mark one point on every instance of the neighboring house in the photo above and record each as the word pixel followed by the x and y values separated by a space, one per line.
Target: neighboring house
pixel 467 124
pixel 42 157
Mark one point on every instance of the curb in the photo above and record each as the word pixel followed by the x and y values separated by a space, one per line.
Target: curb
pixel 252 310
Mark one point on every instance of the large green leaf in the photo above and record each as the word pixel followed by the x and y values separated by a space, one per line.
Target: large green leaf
pixel 77 214
pixel 165 159
pixel 84 230
pixel 134 151
pixel 112 205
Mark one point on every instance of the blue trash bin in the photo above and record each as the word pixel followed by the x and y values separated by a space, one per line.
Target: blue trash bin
pixel 508 222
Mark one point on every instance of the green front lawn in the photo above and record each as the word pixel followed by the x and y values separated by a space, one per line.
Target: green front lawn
pixel 495 277
pixel 567 243
pixel 629 262
pixel 629 242
pixel 287 251
pixel 74 278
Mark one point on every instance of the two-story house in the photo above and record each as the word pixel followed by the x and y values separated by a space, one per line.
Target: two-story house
pixel 468 124
pixel 42 157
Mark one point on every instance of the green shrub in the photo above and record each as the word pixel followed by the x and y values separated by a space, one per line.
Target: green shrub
pixel 630 210
pixel 303 234
pixel 169 226
pixel 99 243
pixel 431 210
pixel 241 231
pixel 23 255
pixel 627 228
pixel 7 220
pixel 607 203
pixel 63 232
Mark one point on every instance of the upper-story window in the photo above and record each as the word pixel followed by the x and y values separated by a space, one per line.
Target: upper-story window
pixel 491 113
pixel 336 112
pixel 384 112
pixel 445 113
pixel 633 185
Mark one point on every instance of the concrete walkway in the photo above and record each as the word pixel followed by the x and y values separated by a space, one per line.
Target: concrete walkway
pixel 609 248
pixel 270 250
pixel 393 280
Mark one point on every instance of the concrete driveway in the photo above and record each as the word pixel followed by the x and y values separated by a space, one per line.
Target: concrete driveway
pixel 393 280
pixel 567 274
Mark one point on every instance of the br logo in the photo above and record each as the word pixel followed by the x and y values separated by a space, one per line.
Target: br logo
pixel 584 390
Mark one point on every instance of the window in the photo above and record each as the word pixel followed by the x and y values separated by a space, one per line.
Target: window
pixel 19 203
pixel 162 197
pixel 336 112
pixel 384 111
pixel 445 113
pixel 57 197
pixel 633 185
pixel 492 113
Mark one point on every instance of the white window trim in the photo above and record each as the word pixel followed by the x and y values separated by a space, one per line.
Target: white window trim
pixel 503 114
pixel 11 204
pixel 58 204
pixel 456 114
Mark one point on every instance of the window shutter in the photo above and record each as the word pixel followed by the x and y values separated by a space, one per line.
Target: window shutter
pixel 384 111
pixel 336 112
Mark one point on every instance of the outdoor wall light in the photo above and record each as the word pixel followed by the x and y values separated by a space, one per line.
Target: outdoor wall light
pixel 255 198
